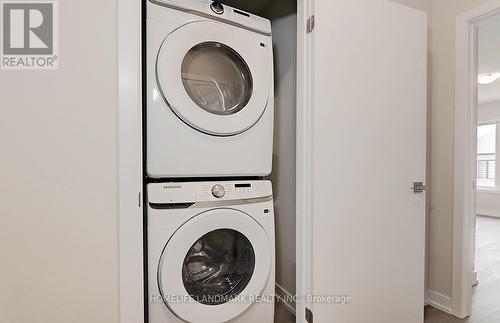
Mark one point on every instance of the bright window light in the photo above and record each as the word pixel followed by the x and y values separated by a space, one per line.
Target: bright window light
pixel 488 78
pixel 486 155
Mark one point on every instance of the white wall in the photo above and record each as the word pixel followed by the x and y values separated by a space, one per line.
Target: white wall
pixel 58 182
pixel 283 177
pixel 442 139
pixel 489 62
pixel 424 5
pixel 489 111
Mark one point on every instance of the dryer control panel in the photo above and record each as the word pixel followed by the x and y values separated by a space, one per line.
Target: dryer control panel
pixel 218 11
pixel 194 192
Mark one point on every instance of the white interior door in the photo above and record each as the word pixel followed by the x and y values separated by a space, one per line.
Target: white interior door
pixel 367 129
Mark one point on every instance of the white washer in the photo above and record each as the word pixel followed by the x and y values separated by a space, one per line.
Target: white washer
pixel 211 252
pixel 209 91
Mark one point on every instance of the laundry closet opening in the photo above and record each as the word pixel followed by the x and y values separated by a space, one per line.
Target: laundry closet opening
pixel 283 16
pixel 198 150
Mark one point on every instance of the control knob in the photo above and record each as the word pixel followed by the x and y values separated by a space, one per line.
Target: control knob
pixel 217 8
pixel 218 191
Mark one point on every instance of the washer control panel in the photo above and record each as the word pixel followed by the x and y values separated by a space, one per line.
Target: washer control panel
pixel 191 192
pixel 218 11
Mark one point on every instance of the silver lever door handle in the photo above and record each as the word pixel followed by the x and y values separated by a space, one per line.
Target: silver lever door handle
pixel 418 187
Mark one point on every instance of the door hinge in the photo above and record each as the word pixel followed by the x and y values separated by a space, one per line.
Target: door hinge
pixel 309 316
pixel 139 199
pixel 311 22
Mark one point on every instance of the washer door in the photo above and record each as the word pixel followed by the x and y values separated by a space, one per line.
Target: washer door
pixel 215 77
pixel 214 266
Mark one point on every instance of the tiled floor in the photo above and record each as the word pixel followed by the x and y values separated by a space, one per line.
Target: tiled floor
pixel 282 315
pixel 486 299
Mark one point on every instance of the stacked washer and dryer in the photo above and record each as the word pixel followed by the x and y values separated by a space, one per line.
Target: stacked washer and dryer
pixel 209 138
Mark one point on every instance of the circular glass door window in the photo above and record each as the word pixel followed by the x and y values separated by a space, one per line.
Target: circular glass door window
pixel 218 267
pixel 216 78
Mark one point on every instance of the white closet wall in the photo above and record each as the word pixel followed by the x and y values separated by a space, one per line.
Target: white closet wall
pixel 283 176
pixel 58 177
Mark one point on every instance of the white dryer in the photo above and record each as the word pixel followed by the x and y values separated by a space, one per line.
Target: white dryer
pixel 209 91
pixel 210 252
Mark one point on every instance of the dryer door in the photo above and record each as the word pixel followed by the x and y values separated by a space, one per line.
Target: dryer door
pixel 214 266
pixel 215 77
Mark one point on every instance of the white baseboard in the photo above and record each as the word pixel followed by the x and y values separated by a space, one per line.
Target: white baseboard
pixel 286 299
pixel 439 301
pixel 487 212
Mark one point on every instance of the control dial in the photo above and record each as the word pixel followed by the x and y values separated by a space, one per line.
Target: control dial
pixel 218 191
pixel 217 8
